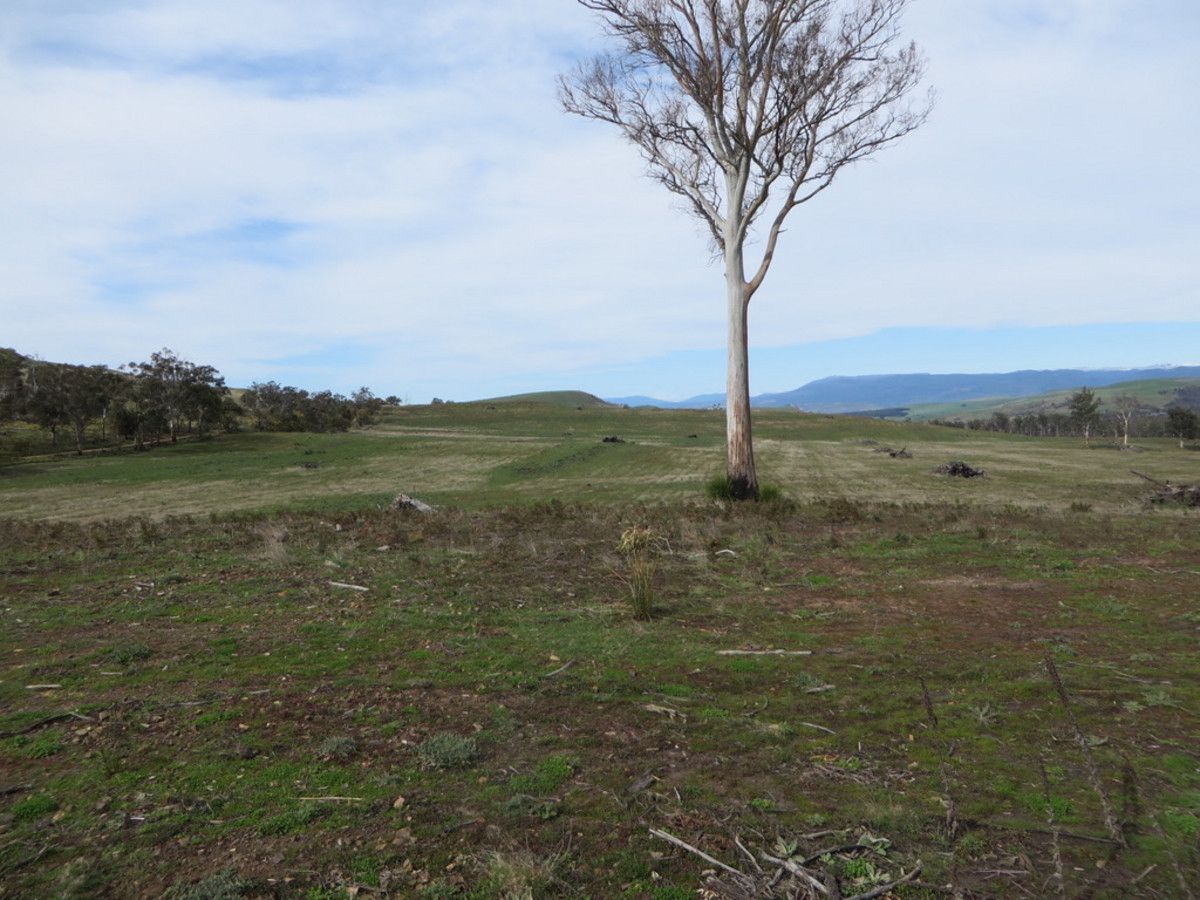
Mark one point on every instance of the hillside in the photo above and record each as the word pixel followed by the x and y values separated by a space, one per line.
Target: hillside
pixel 855 393
pixel 550 398
pixel 1154 394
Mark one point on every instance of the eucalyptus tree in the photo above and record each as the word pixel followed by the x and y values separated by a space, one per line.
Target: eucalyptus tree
pixel 748 109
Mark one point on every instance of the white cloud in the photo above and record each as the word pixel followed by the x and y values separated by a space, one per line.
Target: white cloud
pixel 452 222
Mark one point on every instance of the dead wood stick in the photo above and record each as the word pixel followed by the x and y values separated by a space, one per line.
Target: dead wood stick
pixel 1055 850
pixel 818 727
pixel 42 723
pixel 1074 835
pixel 1154 481
pixel 348 587
pixel 748 854
pixel 560 669
pixel 798 870
pixel 671 839
pixel 884 889
pixel 1110 820
pixel 334 799
pixel 14 789
pixel 764 653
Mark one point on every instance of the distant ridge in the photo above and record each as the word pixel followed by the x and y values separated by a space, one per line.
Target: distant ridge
pixel 550 398
pixel 849 393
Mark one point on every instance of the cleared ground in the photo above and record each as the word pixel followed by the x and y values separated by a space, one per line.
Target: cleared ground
pixel 202 705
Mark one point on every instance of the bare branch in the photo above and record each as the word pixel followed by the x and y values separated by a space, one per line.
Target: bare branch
pixel 729 101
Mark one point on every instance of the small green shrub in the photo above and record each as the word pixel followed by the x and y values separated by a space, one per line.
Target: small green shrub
pixel 1183 824
pixel 294 820
pixel 770 493
pixel 33 808
pixel 41 747
pixel 338 748
pixel 720 488
pixel 549 775
pixel 447 750
pixel 127 654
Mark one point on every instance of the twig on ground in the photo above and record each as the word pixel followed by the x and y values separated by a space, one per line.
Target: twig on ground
pixel 1110 820
pixel 748 854
pixel 798 870
pixel 818 727
pixel 1055 850
pixel 15 789
pixel 334 799
pixel 42 723
pixel 888 888
pixel 764 653
pixel 671 839
pixel 348 587
pixel 560 669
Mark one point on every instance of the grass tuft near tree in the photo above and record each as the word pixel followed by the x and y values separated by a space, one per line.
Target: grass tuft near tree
pixel 748 109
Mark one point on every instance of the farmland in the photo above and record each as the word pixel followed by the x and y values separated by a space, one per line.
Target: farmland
pixel 228 665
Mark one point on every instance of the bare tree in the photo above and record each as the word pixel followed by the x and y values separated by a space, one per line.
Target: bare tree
pixel 1125 407
pixel 747 109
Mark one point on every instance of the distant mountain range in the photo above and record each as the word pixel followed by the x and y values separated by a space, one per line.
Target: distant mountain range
pixel 855 393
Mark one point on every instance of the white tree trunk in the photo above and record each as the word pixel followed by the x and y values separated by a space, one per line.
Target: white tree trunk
pixel 743 480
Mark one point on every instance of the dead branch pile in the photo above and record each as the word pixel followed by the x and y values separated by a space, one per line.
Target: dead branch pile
pixel 958 469
pixel 1166 492
pixel 902 453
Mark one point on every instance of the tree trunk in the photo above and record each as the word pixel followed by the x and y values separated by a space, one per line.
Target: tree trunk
pixel 743 480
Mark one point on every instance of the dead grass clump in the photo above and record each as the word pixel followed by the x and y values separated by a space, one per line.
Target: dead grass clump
pixel 637 546
pixel 447 750
pixel 521 874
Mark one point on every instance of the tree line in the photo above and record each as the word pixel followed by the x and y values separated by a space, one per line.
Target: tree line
pixel 1087 416
pixel 162 398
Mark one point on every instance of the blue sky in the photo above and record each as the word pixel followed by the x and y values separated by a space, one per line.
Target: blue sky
pixel 346 192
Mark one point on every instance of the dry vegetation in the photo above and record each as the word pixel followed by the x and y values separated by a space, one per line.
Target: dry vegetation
pixel 342 699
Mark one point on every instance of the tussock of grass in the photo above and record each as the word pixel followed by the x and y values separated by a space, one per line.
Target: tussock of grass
pixel 447 751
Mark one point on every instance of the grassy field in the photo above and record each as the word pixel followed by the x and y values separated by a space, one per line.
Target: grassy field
pixel 228 669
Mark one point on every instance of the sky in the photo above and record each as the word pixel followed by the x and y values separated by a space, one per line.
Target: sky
pixel 332 193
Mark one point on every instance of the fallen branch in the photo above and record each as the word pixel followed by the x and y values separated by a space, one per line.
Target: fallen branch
pixel 887 888
pixel 1110 820
pixel 348 587
pixel 764 653
pixel 818 727
pixel 798 870
pixel 15 789
pixel 560 669
pixel 334 799
pixel 1074 835
pixel 43 687
pixel 671 839
pixel 50 720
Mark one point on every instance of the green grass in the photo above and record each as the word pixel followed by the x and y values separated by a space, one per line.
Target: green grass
pixel 490 715
pixel 481 455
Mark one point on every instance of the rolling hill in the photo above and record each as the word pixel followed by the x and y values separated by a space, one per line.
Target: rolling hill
pixel 845 394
